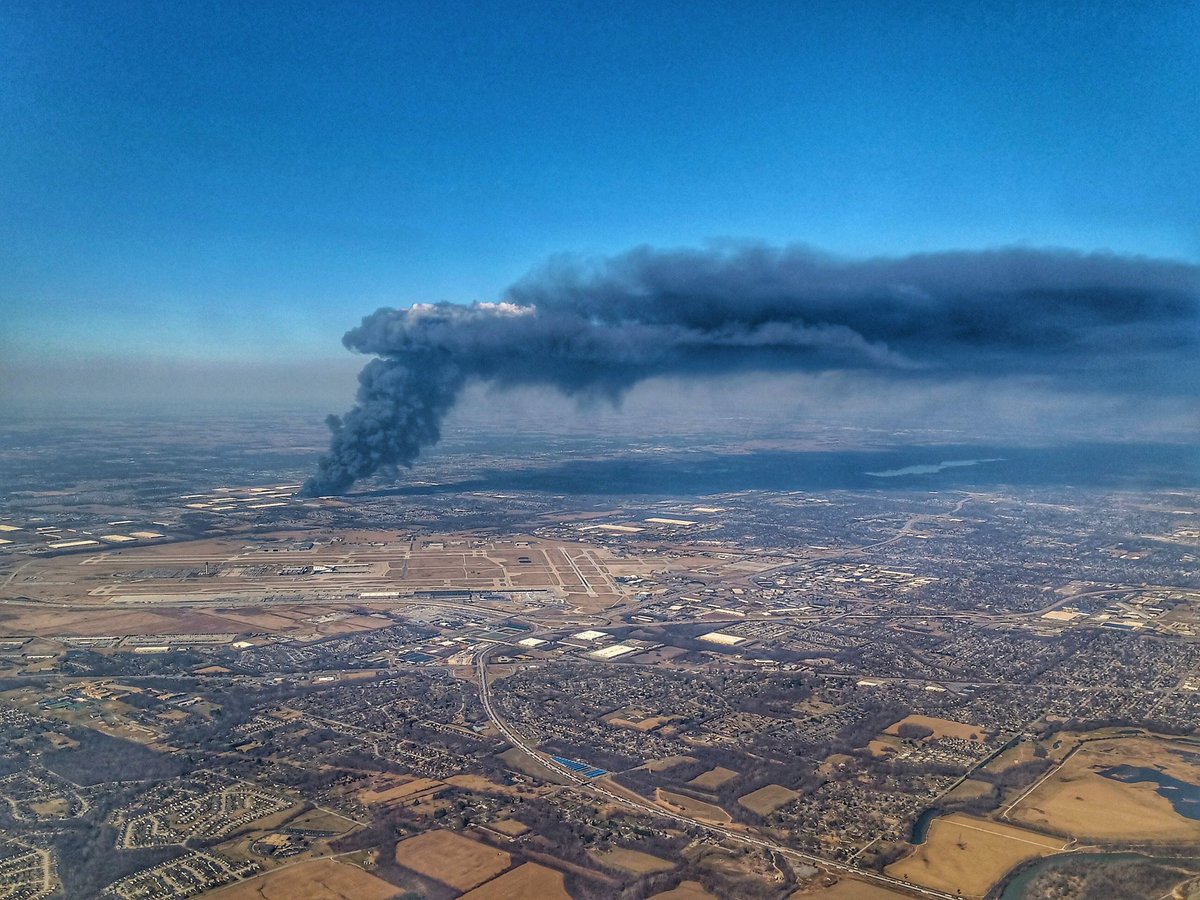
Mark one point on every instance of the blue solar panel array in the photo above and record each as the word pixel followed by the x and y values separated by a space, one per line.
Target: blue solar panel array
pixel 584 769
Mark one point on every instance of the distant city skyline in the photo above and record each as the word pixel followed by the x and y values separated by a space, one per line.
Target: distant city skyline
pixel 233 183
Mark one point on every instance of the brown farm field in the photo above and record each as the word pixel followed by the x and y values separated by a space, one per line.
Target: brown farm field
pixel 1013 756
pixel 685 890
pixel 692 807
pixel 850 889
pixel 941 728
pixel 1074 798
pixel 767 799
pixel 319 879
pixel 452 859
pixel 667 762
pixel 402 789
pixel 713 778
pixel 967 854
pixel 527 882
pixel 633 862
pixel 971 789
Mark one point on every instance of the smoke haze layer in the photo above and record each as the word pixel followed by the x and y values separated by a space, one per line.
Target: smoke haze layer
pixel 596 328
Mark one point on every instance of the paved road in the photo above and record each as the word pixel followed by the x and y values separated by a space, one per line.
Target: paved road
pixel 485 696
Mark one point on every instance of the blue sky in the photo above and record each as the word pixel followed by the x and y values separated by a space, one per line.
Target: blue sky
pixel 244 181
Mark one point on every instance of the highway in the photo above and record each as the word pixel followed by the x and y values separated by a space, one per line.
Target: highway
pixel 485 696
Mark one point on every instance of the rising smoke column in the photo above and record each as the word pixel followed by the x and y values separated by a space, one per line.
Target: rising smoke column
pixel 598 328
pixel 399 409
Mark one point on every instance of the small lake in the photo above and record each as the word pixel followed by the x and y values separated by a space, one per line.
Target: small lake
pixel 1184 796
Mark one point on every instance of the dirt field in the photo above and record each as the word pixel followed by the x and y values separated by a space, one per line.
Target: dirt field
pixel 632 861
pixel 392 791
pixel 1013 756
pixel 321 879
pixel 941 728
pixel 713 778
pixel 518 761
pixel 451 859
pixel 685 890
pixel 1074 798
pixel 320 820
pixel 647 724
pixel 833 762
pixel 697 808
pixel 527 882
pixel 511 827
pixel 481 785
pixel 667 762
pixel 767 799
pixel 849 889
pixel 971 789
pixel 968 854
pixel 51 808
pixel 884 747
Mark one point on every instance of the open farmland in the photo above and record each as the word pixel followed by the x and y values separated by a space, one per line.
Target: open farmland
pixel 526 882
pixel 318 879
pixel 968 855
pixel 667 763
pixel 849 889
pixel 398 790
pixel 713 778
pixel 971 789
pixel 767 799
pixel 451 859
pixel 632 861
pixel 941 728
pixel 685 890
pixel 1074 798
pixel 692 806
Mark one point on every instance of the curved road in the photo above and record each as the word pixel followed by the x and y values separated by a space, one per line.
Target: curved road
pixel 485 696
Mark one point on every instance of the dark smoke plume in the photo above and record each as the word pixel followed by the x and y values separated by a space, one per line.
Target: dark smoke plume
pixel 597 328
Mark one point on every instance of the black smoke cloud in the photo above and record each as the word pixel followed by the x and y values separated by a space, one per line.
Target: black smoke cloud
pixel 599 327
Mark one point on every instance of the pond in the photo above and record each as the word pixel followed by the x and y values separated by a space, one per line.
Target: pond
pixel 1184 796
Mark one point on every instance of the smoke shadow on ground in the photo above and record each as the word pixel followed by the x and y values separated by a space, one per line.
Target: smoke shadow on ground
pixel 698 473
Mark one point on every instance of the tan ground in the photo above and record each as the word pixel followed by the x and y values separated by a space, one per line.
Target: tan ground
pixel 968 854
pixel 850 889
pixel 371 562
pixel 632 861
pixel 971 789
pixel 1076 799
pixel 941 727
pixel 47 809
pixel 451 859
pixel 481 785
pixel 511 827
pixel 320 879
pixel 767 799
pixel 321 820
pixel 667 762
pixel 527 882
pixel 713 778
pixel 519 761
pixel 692 807
pixel 833 763
pixel 391 791
pixel 647 724
pixel 685 890
pixel 1013 756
